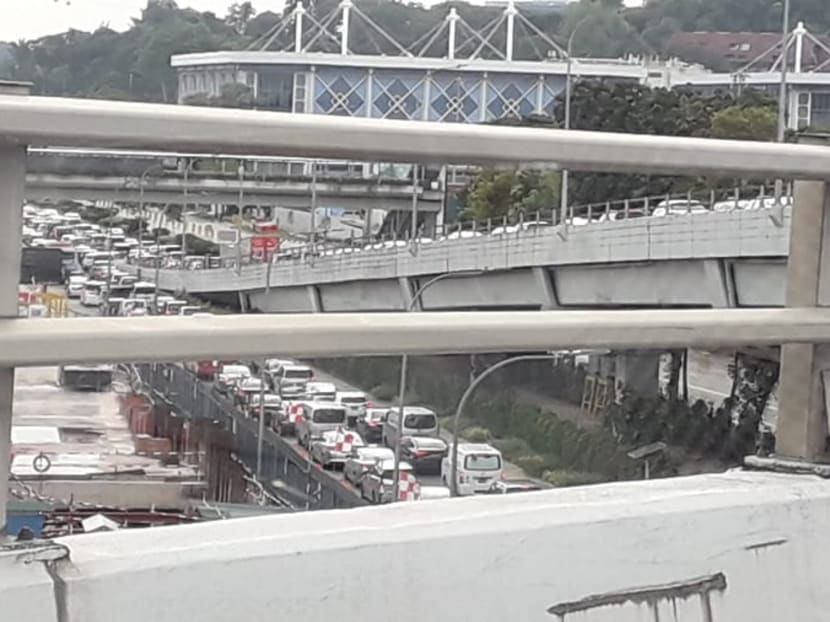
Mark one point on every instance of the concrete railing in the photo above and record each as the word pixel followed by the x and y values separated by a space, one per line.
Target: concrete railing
pixel 739 234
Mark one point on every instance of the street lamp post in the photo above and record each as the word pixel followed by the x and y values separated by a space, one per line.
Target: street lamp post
pixel 416 297
pixel 782 101
pixel 563 190
pixel 187 167
pixel 141 182
pixel 466 396
pixel 241 172
pixel 261 422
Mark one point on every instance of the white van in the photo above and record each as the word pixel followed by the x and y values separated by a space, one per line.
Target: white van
pixel 479 467
pixel 319 417
pixel 417 421
pixel 144 291
pixel 93 293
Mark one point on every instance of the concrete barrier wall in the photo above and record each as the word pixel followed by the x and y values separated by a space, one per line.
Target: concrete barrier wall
pixel 710 548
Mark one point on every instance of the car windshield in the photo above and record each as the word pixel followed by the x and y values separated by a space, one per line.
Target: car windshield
pixel 423 421
pixel 329 415
pixel 482 462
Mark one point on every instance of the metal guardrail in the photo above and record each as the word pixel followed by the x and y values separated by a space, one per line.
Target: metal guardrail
pixel 188 397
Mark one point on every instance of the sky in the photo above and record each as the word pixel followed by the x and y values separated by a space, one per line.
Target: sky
pixel 29 19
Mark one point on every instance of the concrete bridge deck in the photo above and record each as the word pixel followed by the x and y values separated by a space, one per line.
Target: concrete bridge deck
pixel 730 259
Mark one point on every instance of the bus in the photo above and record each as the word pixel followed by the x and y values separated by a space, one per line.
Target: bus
pixel 85 377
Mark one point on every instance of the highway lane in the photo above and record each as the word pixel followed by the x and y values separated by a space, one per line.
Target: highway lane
pixel 76 308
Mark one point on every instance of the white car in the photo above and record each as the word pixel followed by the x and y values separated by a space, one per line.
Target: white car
pixel 320 392
pixel 377 485
pixel 75 286
pixel 362 460
pixel 480 466
pixel 355 403
pixel 335 447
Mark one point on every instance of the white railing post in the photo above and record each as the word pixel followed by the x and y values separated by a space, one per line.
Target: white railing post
pixel 12 181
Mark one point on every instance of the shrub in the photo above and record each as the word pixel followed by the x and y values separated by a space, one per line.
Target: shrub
pixel 533 464
pixel 563 478
pixel 477 434
pixel 384 392
pixel 512 447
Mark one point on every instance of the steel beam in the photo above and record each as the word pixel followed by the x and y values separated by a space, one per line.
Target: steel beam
pixel 96 123
pixel 50 341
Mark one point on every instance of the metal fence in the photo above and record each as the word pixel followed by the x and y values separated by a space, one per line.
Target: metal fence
pixel 286 473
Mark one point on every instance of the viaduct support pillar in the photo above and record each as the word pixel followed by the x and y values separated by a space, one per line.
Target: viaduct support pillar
pixel 12 179
pixel 802 425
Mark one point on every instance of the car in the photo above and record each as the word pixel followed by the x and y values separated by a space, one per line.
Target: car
pixel 334 447
pixel 509 487
pixel 370 425
pixel 362 459
pixel 355 403
pixel 317 418
pixel 133 307
pixel 189 310
pixel 173 307
pixel 271 406
pixel 424 453
pixel 479 467
pixel 75 286
pixel 273 365
pixel 93 293
pixel 377 485
pixel 320 392
pixel 161 303
pixel 417 421
pixel 229 375
pixel 285 424
pixel 290 380
pixel 246 388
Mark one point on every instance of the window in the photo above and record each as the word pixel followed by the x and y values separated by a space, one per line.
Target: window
pixel 482 462
pixel 326 415
pixel 419 422
pixel 819 111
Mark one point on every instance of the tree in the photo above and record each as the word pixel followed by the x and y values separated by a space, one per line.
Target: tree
pixel 745 123
pixel 240 15
pixel 498 194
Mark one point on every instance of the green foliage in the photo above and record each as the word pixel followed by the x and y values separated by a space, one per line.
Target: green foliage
pixel 477 434
pixel 130 65
pixel 659 19
pixel 508 194
pixel 533 464
pixel 384 392
pixel 562 479
pixel 512 447
pixel 728 432
pixel 747 123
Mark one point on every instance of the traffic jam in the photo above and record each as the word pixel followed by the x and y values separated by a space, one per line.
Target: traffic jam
pixel 344 432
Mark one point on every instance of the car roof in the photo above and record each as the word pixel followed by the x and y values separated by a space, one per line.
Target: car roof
pixel 351 394
pixel 376 452
pixel 477 448
pixel 327 405
pixel 427 441
pixel 389 465
pixel 293 366
pixel 321 385
pixel 414 410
